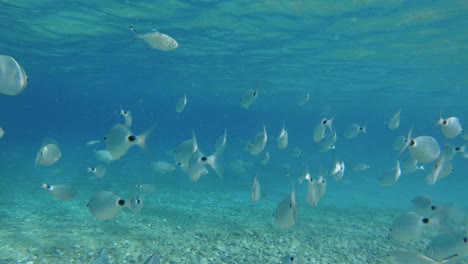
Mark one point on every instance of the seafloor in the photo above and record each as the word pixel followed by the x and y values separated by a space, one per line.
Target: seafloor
pixel 191 224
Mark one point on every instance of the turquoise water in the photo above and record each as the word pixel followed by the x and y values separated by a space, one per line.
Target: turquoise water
pixel 360 61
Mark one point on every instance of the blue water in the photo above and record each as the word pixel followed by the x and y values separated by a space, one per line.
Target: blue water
pixel 361 61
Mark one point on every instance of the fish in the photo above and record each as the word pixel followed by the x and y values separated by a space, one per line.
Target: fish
pixel 409 256
pixel 104 155
pixel 312 197
pixel 288 258
pixel 296 152
pixel 360 167
pixel 390 178
pixel 303 99
pixel 399 143
pixel 283 138
pixel 185 151
pixel 221 143
pixel 197 164
pixel 450 151
pixel 153 259
pixel 61 191
pixel 92 142
pixel 156 40
pixel 255 190
pixel 120 139
pixel 13 78
pixel 162 167
pixel 135 203
pixel 338 170
pixel 434 175
pixel 180 106
pixel 408 226
pixel 259 142
pixel 423 205
pixel 127 115
pixel 99 171
pixel 2 132
pixel 286 212
pixel 449 245
pixel 265 159
pixel 105 205
pixel 353 131
pixel 394 121
pixel 320 129
pixel 451 127
pixel 424 149
pixel 249 97
pixel 146 187
pixel 103 257
pixel 409 165
pixel 328 142
pixel 49 153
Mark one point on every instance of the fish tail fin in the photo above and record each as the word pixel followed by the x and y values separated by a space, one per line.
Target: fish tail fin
pixel 143 137
pixel 137 35
pixel 214 164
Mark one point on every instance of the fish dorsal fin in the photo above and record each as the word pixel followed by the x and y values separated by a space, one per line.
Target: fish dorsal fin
pixel 137 35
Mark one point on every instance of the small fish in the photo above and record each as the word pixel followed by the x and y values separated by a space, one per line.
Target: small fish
pixel 451 127
pixel 105 205
pixel 312 197
pixel 153 259
pixel 120 139
pixel 2 132
pixel 409 165
pixel 103 257
pixel 48 154
pixel 360 167
pixel 408 227
pixel 255 190
pixel 303 99
pixel 434 175
pixel 408 256
pixel 221 142
pixel 283 138
pixel 296 152
pixel 259 142
pixel 423 205
pixel 104 155
pixel 181 104
pixel 265 159
pixel 450 151
pixel 99 171
pixel 197 164
pixel 13 77
pixel 156 40
pixel 353 131
pixel 146 187
pixel 61 191
pixel 135 203
pixel 338 170
pixel 390 178
pixel 399 143
pixel 328 142
pixel 249 97
pixel 288 258
pixel 424 149
pixel 92 142
pixel 162 167
pixel 127 115
pixel 394 121
pixel 286 212
pixel 320 129
pixel 447 245
pixel 185 151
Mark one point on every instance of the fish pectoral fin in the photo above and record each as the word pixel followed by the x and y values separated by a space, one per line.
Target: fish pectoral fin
pixel 133 39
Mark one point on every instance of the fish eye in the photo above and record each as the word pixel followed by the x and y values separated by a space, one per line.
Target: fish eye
pixel 138 201
pixel 204 158
pixel 412 143
pixel 324 122
pixel 104 138
pixel 291 258
pixel 433 207
pixel 425 220
pixel 444 122
pixel 254 93
pixel 131 138
pixel 121 202
pixel 465 239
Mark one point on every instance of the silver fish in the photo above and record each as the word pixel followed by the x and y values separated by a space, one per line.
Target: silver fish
pixel 156 40
pixel 249 97
pixel 320 129
pixel 162 167
pixel 48 154
pixel 61 191
pixel 146 187
pixel 283 138
pixel 2 132
pixel 303 99
pixel 407 256
pixel 127 115
pixel 265 159
pixel 286 212
pixel 394 121
pixel 120 139
pixel 446 245
pixel 258 144
pixel 99 171
pixel 105 205
pixel 353 131
pixel 181 104
pixel 255 190
pixel 390 178
pixel 408 227
pixel 451 127
pixel 13 79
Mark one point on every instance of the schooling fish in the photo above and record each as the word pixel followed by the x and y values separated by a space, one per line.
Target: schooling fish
pixel 146 187
pixel 127 115
pixel 249 97
pixel 120 139
pixel 2 132
pixel 162 167
pixel 255 190
pixel 185 151
pixel 338 170
pixel 104 155
pixel 135 203
pixel 390 178
pixel 49 153
pixel 153 259
pixel 61 191
pixel 156 40
pixel 408 227
pixel 446 245
pixel 424 149
pixel 181 104
pixel 353 131
pixel 13 79
pixel 320 129
pixel 259 142
pixel 394 121
pixel 283 138
pixel 221 142
pixel 303 99
pixel 286 212
pixel 99 171
pixel 265 159
pixel 451 127
pixel 408 256
pixel 105 205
